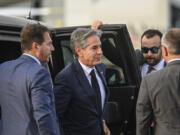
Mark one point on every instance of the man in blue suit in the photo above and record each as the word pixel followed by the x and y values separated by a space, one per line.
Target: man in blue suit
pixel 26 95
pixel 80 89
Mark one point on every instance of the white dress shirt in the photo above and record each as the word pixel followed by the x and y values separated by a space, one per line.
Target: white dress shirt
pixel 87 71
pixel 157 67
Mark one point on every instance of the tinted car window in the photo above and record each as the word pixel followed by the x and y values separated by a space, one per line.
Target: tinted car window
pixel 67 53
pixel 9 51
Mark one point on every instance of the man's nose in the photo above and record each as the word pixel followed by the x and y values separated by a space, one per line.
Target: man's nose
pixel 100 51
pixel 52 48
pixel 149 53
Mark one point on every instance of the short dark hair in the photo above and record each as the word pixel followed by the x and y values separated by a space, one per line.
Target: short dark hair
pixel 151 33
pixel 32 33
pixel 171 40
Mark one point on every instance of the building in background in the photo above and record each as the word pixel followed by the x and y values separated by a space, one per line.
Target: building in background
pixel 138 15
pixel 48 11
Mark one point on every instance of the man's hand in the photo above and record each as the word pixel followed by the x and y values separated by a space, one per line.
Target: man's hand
pixel 106 129
pixel 96 25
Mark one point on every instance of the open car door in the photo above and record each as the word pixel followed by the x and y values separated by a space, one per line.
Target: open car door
pixel 122 73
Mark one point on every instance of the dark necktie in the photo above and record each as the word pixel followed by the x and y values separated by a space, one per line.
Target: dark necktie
pixel 95 86
pixel 150 69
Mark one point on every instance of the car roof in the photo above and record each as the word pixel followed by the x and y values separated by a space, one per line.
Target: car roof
pixel 19 21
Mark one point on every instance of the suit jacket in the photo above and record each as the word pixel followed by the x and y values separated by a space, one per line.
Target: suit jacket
pixel 76 101
pixel 0 126
pixel 159 99
pixel 26 99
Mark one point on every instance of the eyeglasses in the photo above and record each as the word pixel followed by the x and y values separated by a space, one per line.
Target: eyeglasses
pixel 153 50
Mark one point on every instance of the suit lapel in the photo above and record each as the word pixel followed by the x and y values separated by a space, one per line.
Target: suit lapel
pixel 84 81
pixel 102 76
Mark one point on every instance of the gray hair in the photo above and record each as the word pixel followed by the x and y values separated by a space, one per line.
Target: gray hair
pixel 171 40
pixel 79 36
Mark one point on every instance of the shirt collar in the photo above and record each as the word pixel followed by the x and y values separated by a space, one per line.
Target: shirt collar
pixel 159 65
pixel 33 57
pixel 86 69
pixel 173 60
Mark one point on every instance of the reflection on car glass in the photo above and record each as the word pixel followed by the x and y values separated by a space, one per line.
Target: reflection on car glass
pixel 67 52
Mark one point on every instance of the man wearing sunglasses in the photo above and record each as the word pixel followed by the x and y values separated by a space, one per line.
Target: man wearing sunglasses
pixel 151 50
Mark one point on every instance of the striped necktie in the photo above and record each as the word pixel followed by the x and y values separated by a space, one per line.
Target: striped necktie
pixel 150 69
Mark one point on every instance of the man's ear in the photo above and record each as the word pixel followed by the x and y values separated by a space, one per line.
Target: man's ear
pixel 78 51
pixel 35 46
pixel 164 52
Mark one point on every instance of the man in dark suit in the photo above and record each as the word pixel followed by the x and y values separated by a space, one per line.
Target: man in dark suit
pixel 26 95
pixel 80 89
pixel 159 96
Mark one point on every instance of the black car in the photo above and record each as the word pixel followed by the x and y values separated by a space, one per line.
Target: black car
pixel 122 70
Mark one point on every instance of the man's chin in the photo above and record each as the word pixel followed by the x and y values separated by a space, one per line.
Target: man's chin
pixel 98 62
pixel 45 61
pixel 151 63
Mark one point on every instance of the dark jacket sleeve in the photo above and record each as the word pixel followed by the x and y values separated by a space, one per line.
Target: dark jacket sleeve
pixel 63 94
pixel 108 48
pixel 140 57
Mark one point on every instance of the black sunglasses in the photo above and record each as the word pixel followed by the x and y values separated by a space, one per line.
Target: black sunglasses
pixel 153 50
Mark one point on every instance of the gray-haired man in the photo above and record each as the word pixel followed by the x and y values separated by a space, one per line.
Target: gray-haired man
pixel 80 89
